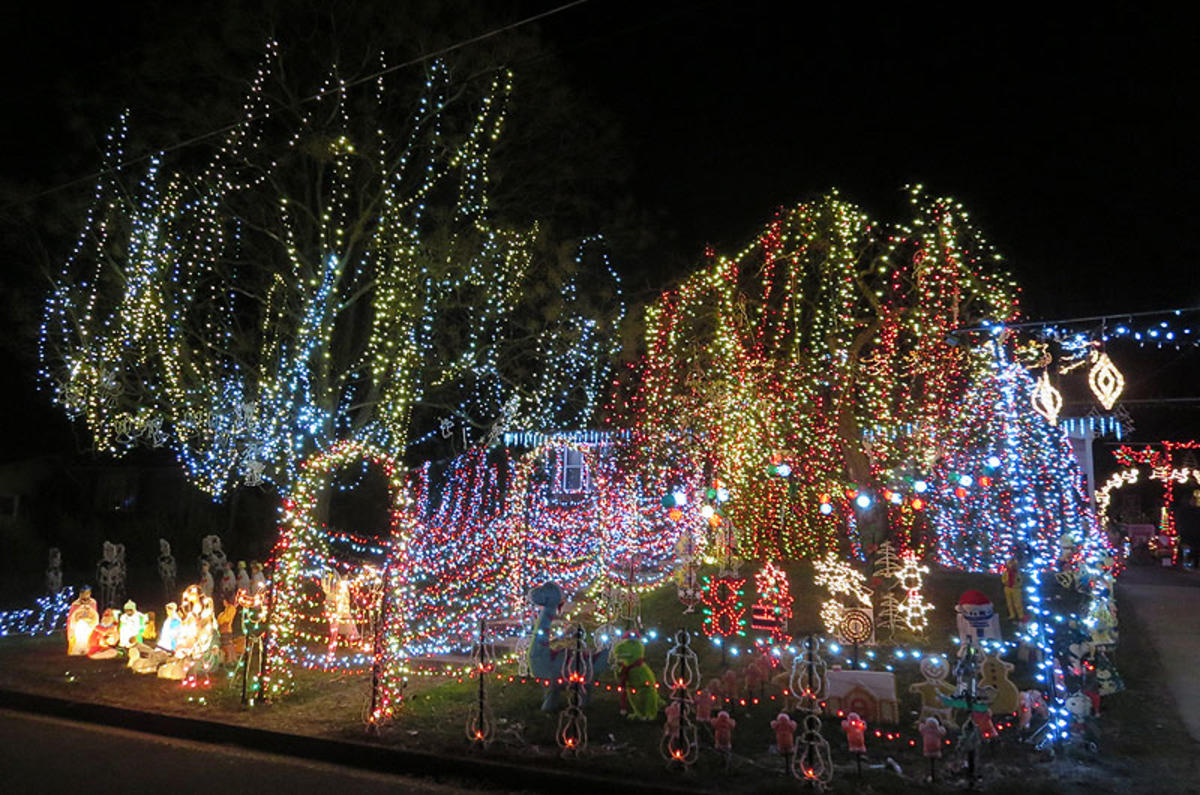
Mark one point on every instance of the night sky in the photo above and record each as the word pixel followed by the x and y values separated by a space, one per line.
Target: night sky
pixel 1071 138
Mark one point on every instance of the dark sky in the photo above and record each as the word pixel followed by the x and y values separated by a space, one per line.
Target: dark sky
pixel 1071 137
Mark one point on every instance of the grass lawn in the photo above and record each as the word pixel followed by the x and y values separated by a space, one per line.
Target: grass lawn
pixel 1143 748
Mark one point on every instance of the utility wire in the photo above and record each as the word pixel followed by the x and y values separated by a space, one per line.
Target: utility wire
pixel 1074 321
pixel 314 97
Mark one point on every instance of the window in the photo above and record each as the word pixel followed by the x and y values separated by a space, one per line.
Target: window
pixel 572 478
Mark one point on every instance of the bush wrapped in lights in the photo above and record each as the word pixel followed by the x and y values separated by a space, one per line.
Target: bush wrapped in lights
pixel 814 367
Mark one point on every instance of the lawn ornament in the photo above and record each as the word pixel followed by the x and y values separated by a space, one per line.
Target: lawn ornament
pixel 132 625
pixel 82 617
pixel 1032 702
pixel 54 571
pixel 855 729
pixel 166 567
pixel 977 620
pixel 638 687
pixel 243 578
pixel 258 581
pixel 935 670
pixel 206 579
pixel 546 662
pixel 993 674
pixel 1012 590
pixel 228 587
pixel 102 643
pixel 110 573
pixel 212 552
pixel 723 726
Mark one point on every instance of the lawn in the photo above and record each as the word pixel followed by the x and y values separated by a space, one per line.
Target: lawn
pixel 1142 747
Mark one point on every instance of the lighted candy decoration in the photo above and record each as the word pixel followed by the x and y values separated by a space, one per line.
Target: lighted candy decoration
pixel 102 642
pixel 54 571
pixel 132 625
pixel 681 673
pixel 82 617
pixel 167 570
pixel 206 579
pixel 110 573
pixel 977 620
pixel 855 729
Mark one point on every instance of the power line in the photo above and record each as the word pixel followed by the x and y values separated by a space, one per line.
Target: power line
pixel 1075 321
pixel 319 95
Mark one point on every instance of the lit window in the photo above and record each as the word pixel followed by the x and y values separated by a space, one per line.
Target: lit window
pixel 571 476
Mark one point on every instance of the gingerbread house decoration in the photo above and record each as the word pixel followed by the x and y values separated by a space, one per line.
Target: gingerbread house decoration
pixel 872 694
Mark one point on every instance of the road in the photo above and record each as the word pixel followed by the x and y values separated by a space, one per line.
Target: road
pixel 50 755
pixel 1167 604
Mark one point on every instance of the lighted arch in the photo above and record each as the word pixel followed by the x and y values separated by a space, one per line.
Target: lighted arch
pixel 1161 469
pixel 302 543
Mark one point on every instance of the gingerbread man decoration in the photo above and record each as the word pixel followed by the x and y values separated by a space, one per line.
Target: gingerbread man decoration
pixel 855 729
pixel 723 731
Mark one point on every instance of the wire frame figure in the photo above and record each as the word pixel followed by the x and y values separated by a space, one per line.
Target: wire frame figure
pixel 814 762
pixel 807 681
pixel 576 674
pixel 481 726
pixel 682 674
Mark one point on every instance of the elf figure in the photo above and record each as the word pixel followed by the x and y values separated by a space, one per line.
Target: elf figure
pixel 1012 590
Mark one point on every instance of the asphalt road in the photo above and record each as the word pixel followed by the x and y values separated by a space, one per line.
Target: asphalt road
pixel 1167 604
pixel 50 755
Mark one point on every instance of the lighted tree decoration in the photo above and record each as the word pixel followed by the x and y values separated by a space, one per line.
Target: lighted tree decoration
pixel 826 345
pixel 327 271
pixel 1009 484
pixel 773 610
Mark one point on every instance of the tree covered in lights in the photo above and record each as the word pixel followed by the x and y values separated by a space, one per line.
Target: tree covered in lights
pixel 328 270
pixel 1008 484
pixel 816 367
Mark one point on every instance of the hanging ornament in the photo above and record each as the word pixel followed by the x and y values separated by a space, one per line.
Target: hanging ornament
pixel 1105 379
pixel 1047 400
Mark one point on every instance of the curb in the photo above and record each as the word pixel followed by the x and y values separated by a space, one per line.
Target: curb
pixel 488 773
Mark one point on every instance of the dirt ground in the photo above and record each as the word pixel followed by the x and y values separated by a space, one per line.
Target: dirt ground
pixel 1142 747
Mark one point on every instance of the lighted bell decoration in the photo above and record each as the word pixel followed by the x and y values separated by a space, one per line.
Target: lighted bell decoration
pixel 1106 380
